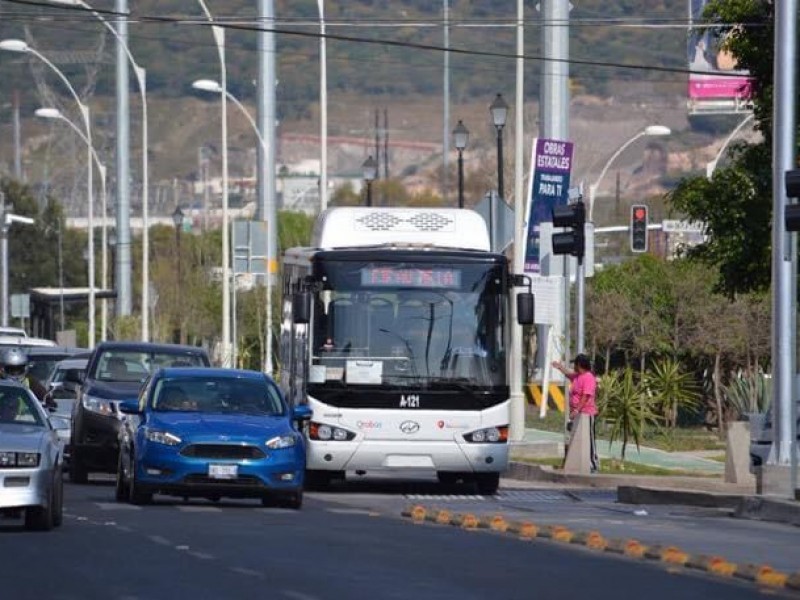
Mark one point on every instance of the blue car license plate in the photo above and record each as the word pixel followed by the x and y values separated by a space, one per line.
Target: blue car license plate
pixel 223 471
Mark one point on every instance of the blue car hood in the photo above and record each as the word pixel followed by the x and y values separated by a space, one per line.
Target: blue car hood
pixel 113 390
pixel 237 427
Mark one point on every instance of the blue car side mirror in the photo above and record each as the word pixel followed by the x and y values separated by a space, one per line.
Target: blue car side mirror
pixel 302 412
pixel 129 407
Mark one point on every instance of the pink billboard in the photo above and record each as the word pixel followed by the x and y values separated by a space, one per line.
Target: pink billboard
pixel 714 75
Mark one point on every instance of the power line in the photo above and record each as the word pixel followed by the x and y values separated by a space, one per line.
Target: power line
pixel 383 42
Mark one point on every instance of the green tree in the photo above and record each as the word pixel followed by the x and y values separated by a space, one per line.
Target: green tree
pixel 736 204
pixel 671 389
pixel 625 408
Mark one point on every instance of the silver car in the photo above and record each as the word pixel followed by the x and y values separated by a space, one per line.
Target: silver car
pixel 30 459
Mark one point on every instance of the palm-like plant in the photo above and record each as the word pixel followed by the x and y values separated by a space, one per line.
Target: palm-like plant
pixel 671 390
pixel 625 407
pixel 748 393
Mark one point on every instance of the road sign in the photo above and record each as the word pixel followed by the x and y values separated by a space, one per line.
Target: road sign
pixel 548 292
pixel 250 247
pixel 676 226
pixel 502 220
pixel 21 306
pixel 548 187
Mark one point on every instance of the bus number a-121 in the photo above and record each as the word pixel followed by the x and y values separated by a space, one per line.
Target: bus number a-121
pixel 409 401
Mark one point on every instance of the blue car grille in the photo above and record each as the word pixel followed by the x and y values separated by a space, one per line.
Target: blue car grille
pixel 223 451
pixel 241 480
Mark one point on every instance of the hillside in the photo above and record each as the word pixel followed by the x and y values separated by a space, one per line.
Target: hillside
pixel 174 54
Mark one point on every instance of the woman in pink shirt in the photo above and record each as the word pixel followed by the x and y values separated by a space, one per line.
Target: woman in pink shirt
pixel 582 398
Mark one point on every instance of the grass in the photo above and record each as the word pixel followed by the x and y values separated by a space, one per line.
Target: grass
pixel 610 466
pixel 682 439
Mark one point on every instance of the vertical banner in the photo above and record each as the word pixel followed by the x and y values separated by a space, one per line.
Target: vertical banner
pixel 716 84
pixel 551 166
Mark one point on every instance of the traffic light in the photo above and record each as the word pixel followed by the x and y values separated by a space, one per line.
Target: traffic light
pixel 791 215
pixel 638 228
pixel 572 242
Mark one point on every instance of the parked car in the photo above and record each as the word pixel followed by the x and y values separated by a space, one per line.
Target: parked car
pixel 212 433
pixel 14 331
pixel 43 360
pixel 761 429
pixel 30 459
pixel 63 388
pixel 115 373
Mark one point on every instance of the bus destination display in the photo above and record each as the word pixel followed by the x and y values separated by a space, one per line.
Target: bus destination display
pixel 413 277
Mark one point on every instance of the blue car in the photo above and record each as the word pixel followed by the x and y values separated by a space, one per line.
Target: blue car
pixel 211 433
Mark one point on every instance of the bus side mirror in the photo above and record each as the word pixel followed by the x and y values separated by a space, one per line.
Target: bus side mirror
pixel 525 308
pixel 301 307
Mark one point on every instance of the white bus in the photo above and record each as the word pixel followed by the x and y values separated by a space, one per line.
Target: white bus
pixel 395 327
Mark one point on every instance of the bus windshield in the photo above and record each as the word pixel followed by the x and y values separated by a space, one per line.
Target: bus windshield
pixel 409 324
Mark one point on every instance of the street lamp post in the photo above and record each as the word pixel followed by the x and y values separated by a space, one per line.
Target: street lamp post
pixel 461 138
pixel 5 225
pixel 177 219
pixel 54 113
pixel 650 130
pixel 219 39
pixel 499 110
pixel 124 299
pixel 208 85
pixel 323 109
pixel 370 169
pixel 23 47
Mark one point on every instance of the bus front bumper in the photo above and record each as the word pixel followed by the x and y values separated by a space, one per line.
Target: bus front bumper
pixel 382 455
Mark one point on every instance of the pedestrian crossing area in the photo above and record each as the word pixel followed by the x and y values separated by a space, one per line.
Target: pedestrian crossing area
pixel 521 496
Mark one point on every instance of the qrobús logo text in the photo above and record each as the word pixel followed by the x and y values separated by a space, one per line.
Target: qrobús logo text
pixel 369 424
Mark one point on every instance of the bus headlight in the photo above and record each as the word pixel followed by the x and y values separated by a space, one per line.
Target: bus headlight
pixel 325 433
pixel 488 435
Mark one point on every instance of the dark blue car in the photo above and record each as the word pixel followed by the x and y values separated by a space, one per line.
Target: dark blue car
pixel 211 433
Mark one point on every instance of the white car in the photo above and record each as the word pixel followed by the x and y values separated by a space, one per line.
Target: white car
pixel 31 459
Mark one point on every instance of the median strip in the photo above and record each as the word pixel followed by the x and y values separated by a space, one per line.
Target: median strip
pixel 762 575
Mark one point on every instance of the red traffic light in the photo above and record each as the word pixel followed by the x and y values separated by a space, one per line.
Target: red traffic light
pixel 640 213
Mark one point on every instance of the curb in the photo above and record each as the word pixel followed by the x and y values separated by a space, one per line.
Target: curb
pixel 761 575
pixel 634 494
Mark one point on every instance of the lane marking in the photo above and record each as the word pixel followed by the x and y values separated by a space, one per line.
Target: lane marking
pixel 116 506
pixel 199 509
pixel 159 540
pixel 201 555
pixel 349 511
pixel 246 571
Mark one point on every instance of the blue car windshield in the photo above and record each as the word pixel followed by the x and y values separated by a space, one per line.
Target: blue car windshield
pixel 217 395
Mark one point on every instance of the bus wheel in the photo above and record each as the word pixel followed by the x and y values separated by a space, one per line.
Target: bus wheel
pixel 487 483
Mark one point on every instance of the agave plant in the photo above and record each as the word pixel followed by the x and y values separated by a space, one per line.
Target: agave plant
pixel 626 408
pixel 748 393
pixel 671 390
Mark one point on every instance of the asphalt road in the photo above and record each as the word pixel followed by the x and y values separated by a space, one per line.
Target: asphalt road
pixel 335 548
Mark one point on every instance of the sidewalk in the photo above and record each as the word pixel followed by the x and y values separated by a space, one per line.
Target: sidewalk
pixel 681 461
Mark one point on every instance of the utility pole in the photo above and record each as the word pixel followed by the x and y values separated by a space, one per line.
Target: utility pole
pixel 517 417
pixel 386 143
pixel 17 140
pixel 123 266
pixel 4 261
pixel 784 254
pixel 446 107
pixel 267 208
pixel 554 115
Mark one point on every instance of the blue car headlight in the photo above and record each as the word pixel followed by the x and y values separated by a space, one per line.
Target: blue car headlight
pixel 281 441
pixel 163 437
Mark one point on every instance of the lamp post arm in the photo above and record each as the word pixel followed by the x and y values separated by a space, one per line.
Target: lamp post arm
pixel 57 71
pixel 730 137
pixel 593 187
pixel 249 118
